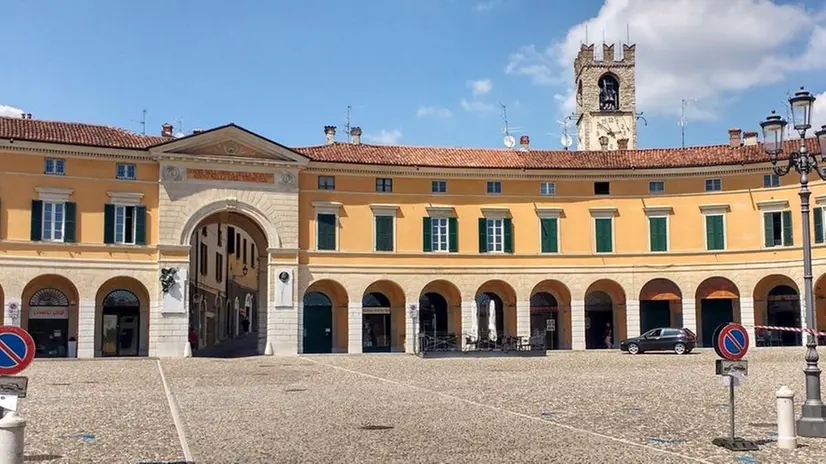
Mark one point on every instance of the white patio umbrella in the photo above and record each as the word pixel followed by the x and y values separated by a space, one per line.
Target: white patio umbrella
pixel 492 322
pixel 474 323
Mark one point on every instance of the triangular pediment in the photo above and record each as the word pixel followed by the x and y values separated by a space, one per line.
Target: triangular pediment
pixel 231 141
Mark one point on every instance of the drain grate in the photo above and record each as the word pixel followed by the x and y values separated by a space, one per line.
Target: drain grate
pixel 41 457
pixel 376 427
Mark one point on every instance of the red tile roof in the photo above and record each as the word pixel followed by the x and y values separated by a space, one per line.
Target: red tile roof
pixel 74 133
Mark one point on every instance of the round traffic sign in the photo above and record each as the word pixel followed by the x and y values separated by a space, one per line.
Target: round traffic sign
pixel 16 349
pixel 731 341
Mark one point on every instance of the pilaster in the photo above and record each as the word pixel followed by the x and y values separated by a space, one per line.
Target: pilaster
pixel 577 324
pixel 86 329
pixel 411 328
pixel 747 316
pixel 690 315
pixel 468 313
pixel 523 319
pixel 354 326
pixel 632 318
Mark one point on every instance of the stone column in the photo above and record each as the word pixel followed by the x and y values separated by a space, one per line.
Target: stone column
pixel 577 324
pixel 87 347
pixel 354 328
pixel 282 316
pixel 632 319
pixel 690 315
pixel 747 316
pixel 468 313
pixel 804 321
pixel 411 328
pixel 523 319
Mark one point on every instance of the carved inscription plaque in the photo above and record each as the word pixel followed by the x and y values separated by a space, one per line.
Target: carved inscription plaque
pixel 232 176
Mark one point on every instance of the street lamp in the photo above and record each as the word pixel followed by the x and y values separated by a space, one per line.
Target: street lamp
pixel 813 421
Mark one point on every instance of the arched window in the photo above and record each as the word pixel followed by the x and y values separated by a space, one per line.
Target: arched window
pixel 121 299
pixel 598 299
pixel 543 300
pixel 49 297
pixel 375 300
pixel 317 299
pixel 609 93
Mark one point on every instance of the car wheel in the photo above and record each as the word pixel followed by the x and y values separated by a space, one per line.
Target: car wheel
pixel 633 348
pixel 679 348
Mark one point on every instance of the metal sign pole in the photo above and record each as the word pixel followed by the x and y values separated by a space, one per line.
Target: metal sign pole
pixel 731 403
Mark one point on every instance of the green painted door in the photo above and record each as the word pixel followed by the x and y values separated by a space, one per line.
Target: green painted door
pixel 654 315
pixel 714 313
pixel 318 329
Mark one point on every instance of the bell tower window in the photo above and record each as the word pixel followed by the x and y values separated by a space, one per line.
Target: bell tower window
pixel 608 93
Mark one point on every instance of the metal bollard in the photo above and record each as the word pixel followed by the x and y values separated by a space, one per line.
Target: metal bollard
pixel 786 435
pixel 11 438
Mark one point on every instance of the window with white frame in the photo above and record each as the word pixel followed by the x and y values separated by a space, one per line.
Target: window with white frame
pixel 771 180
pixel 547 188
pixel 439 233
pixel 53 220
pixel 496 235
pixel 714 185
pixel 438 186
pixel 656 186
pixel 777 222
pixel 125 171
pixel 55 166
pixel 124 224
pixel 494 187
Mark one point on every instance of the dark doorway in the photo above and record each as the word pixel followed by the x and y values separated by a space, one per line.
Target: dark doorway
pixel 433 315
pixel 318 323
pixel 599 321
pixel 783 310
pixel 120 330
pixel 654 314
pixel 545 321
pixel 483 302
pixel 714 312
pixel 49 323
pixel 376 336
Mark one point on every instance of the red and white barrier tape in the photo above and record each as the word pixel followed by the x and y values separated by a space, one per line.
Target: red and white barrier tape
pixel 788 329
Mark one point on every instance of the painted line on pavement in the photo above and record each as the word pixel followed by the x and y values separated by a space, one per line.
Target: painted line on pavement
pixel 176 415
pixel 519 414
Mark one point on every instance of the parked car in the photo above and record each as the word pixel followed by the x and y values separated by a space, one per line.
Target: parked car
pixel 681 341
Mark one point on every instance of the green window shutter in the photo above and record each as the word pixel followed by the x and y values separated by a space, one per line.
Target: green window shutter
pixel 603 235
pixel 549 233
pixel 768 229
pixel 108 223
pixel 326 231
pixel 715 235
pixel 818 225
pixel 140 225
pixel 659 233
pixel 37 220
pixel 483 235
pixel 69 222
pixel 788 234
pixel 453 235
pixel 507 225
pixel 427 235
pixel 384 233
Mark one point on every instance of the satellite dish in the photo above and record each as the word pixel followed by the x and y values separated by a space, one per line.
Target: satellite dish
pixel 566 140
pixel 509 141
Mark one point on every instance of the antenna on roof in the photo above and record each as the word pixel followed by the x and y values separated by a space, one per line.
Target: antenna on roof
pixel 628 33
pixel 180 123
pixel 586 33
pixel 142 122
pixel 683 120
pixel 347 123
pixel 566 139
pixel 788 115
pixel 509 141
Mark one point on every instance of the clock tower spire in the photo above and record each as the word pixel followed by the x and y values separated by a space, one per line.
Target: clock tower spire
pixel 606 103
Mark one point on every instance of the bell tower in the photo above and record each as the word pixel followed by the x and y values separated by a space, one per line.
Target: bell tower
pixel 606 102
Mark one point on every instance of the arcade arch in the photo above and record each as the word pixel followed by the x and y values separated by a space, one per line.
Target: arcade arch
pixel 604 314
pixel 498 296
pixel 661 305
pixel 325 318
pixel 440 312
pixel 122 318
pixel 50 315
pixel 383 317
pixel 550 301
pixel 777 303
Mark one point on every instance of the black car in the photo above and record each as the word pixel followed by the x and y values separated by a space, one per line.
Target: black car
pixel 681 341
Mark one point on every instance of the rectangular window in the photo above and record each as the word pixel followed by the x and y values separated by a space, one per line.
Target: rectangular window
pixel 253 258
pixel 204 264
pixel 604 235
pixel 715 232
pixel 384 233
pixel 818 214
pixel 494 187
pixel 55 167
pixel 777 228
pixel 326 231
pixel 602 188
pixel 237 245
pixel 125 171
pixel 53 221
pixel 384 185
pixel 658 233
pixel 547 188
pixel 219 267
pixel 124 224
pixel 714 185
pixel 231 240
pixel 771 180
pixel 549 234
pixel 244 252
pixel 326 183
pixel 496 235
pixel 439 234
pixel 656 186
pixel 438 186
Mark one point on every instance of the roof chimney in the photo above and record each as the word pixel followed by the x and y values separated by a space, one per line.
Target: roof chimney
pixel 750 138
pixel 622 144
pixel 330 135
pixel 525 142
pixel 734 137
pixel 603 141
pixel 355 133
pixel 197 131
pixel 166 130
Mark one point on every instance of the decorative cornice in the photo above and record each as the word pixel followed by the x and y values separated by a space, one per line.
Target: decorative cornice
pixel 440 210
pixel 778 204
pixel 549 212
pixel 125 198
pixel 385 209
pixel 659 210
pixel 603 211
pixel 495 212
pixel 53 193
pixel 75 151
pixel 226 160
pixel 715 208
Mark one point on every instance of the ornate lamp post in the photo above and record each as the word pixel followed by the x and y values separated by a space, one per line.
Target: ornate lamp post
pixel 813 421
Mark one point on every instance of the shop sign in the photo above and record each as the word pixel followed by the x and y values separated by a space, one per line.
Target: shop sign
pixel 375 310
pixel 49 312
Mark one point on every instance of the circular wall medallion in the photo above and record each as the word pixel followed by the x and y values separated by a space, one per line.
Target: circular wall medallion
pixel 230 148
pixel 288 178
pixel 172 173
pixel 284 276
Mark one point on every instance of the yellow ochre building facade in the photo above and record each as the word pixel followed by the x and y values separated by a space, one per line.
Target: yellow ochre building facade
pixel 120 244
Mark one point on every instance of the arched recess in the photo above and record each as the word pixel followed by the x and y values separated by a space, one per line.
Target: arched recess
pixel 503 297
pixel 661 305
pixel 49 314
pixel 609 92
pixel 777 303
pixel 718 302
pixel 383 318
pixel 551 300
pixel 228 261
pixel 122 318
pixel 325 328
pixel 605 323
pixel 440 311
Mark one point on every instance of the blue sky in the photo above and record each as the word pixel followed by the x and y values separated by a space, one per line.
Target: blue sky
pixel 421 72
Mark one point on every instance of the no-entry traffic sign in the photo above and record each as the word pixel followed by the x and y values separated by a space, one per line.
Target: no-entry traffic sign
pixel 16 349
pixel 731 341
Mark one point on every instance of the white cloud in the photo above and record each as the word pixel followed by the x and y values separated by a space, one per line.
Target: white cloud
pixel 10 111
pixel 434 111
pixel 487 5
pixel 384 137
pixel 480 87
pixel 818 112
pixel 476 106
pixel 703 49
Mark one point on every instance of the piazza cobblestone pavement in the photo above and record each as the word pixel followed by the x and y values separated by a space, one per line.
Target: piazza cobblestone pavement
pixel 568 407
